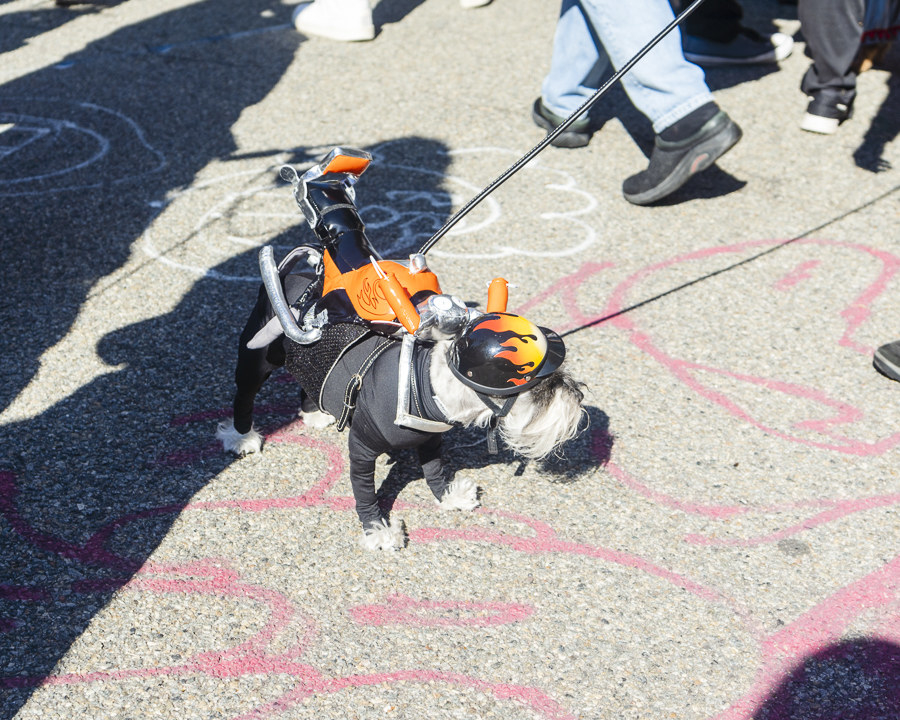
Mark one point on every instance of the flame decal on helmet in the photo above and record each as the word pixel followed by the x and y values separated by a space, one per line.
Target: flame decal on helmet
pixel 527 346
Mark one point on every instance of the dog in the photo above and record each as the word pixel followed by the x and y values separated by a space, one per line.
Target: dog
pixel 378 348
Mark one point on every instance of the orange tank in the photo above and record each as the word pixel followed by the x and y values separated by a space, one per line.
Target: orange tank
pixel 367 294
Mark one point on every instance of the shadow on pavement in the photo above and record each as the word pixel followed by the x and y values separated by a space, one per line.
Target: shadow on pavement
pixel 96 481
pixel 19 27
pixel 90 486
pixel 884 129
pixel 851 680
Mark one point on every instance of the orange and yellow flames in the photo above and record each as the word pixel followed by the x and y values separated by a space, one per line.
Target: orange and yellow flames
pixel 525 351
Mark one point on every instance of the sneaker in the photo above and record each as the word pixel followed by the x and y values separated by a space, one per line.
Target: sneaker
pixel 748 48
pixel 887 360
pixel 825 112
pixel 473 3
pixel 672 163
pixel 578 134
pixel 345 20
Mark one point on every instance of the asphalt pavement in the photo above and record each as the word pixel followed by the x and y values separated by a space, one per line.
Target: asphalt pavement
pixel 722 542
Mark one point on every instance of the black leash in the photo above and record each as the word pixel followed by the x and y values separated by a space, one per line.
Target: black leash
pixel 585 106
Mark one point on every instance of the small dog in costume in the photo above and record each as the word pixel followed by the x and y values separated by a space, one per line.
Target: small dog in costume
pixel 377 347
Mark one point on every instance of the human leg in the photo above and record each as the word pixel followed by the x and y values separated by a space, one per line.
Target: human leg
pixel 832 29
pixel 591 33
pixel 691 131
pixel 662 85
pixel 577 64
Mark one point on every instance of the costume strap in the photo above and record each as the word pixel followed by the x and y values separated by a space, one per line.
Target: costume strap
pixel 499 412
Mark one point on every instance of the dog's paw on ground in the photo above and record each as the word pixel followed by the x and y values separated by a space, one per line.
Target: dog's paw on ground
pixel 461 494
pixel 384 536
pixel 237 443
pixel 316 419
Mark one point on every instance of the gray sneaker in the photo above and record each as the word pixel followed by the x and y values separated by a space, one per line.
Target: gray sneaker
pixel 887 360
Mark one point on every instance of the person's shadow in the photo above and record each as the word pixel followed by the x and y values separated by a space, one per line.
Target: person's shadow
pixel 96 481
pixel 19 27
pixel 885 125
pixel 850 680
pixel 92 148
pixel 93 145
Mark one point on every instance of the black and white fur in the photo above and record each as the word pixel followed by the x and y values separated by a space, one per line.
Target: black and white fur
pixel 541 419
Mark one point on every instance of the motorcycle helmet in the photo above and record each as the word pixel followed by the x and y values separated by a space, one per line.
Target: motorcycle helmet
pixel 504 354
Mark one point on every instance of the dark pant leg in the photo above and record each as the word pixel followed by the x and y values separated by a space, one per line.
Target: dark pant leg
pixel 832 29
pixel 715 20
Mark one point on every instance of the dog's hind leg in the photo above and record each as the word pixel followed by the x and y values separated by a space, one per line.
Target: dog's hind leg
pixel 311 415
pixel 253 368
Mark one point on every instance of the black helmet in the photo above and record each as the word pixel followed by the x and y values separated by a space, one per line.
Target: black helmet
pixel 505 354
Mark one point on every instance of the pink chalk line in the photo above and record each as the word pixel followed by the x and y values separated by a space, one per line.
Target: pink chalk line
pixel 532 698
pixel 248 657
pixel 832 510
pixel 854 315
pixel 815 631
pixel 802 272
pixel 19 593
pixel 251 656
pixel 404 610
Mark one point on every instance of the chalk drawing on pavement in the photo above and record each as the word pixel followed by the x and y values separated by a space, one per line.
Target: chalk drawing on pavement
pixel 244 210
pixel 52 146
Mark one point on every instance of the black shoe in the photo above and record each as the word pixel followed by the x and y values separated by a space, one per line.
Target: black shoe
pixel 887 360
pixel 826 110
pixel 672 163
pixel 578 134
pixel 748 47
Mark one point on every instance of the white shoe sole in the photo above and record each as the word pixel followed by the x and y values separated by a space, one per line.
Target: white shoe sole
pixel 819 124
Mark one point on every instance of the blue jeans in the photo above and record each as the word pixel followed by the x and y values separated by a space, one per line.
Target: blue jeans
pixel 592 33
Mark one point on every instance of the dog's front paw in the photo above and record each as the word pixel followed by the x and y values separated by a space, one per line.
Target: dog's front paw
pixel 461 494
pixel 384 536
pixel 316 418
pixel 237 443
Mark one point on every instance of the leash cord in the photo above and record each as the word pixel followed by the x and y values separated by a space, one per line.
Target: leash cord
pixel 585 106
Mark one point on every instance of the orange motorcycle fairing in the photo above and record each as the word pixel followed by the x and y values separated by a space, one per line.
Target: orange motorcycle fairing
pixel 367 294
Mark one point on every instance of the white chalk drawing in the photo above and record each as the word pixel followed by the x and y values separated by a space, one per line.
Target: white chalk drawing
pixel 239 211
pixel 50 146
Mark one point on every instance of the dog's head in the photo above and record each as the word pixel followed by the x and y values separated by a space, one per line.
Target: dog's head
pixel 510 370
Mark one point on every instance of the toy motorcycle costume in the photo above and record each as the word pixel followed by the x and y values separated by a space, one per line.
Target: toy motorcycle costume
pixel 359 333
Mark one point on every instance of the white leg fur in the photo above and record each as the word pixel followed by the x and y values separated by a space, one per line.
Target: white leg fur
pixel 384 536
pixel 461 494
pixel 235 442
pixel 316 419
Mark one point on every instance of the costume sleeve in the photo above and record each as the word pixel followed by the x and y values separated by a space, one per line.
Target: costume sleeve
pixel 362 479
pixel 433 465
